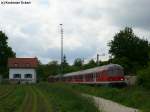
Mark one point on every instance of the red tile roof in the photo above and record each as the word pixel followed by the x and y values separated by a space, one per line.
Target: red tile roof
pixel 22 62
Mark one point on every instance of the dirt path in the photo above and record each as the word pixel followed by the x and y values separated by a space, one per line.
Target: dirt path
pixel 43 104
pixel 35 101
pixel 110 106
pixel 29 103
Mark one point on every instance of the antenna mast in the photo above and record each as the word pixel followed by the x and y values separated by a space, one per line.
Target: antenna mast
pixel 61 31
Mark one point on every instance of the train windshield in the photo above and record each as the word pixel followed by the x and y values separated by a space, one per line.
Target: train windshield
pixel 114 72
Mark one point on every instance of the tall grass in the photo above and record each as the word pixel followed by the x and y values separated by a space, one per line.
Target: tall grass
pixel 12 101
pixel 130 96
pixel 43 97
pixel 66 99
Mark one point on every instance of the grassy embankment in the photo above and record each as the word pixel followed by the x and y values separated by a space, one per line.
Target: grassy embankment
pixel 136 97
pixel 43 98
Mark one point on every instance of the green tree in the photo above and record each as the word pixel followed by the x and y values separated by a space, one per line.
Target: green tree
pixel 66 67
pixel 90 64
pixel 45 70
pixel 53 68
pixel 78 62
pixel 65 63
pixel 5 53
pixel 129 50
pixel 144 77
pixel 40 72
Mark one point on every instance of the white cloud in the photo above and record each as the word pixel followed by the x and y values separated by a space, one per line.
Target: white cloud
pixel 33 30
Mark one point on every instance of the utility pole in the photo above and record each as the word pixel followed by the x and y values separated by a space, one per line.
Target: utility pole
pixel 98 55
pixel 97 59
pixel 61 32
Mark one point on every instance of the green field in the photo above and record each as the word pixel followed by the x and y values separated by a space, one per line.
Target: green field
pixel 59 97
pixel 135 96
pixel 43 97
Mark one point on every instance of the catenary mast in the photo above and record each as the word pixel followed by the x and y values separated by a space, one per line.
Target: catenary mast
pixel 62 55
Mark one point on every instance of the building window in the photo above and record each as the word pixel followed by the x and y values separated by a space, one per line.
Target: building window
pixel 17 76
pixel 28 75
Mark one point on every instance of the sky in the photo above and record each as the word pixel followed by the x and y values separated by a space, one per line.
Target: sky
pixel 34 30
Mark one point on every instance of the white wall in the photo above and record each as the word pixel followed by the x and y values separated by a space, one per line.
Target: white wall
pixel 13 71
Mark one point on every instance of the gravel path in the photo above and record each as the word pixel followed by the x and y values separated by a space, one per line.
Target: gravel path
pixel 110 106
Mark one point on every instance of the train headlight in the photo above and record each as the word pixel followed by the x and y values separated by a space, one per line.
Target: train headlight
pixel 121 79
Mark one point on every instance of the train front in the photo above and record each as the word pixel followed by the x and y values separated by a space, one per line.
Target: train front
pixel 115 75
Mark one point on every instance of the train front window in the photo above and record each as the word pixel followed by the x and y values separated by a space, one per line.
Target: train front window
pixel 114 72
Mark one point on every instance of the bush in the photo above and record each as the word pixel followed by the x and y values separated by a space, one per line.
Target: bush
pixel 144 77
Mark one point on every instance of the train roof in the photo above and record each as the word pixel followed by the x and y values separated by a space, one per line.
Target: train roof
pixel 96 69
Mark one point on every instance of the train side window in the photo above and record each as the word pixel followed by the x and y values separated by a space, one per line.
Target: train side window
pixel 88 76
pixel 97 74
pixel 110 72
pixel 119 71
pixel 92 75
pixel 80 77
pixel 103 73
pixel 100 73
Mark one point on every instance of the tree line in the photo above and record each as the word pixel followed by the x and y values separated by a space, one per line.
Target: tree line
pixel 126 49
pixel 54 68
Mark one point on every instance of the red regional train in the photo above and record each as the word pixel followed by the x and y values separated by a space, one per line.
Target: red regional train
pixel 111 74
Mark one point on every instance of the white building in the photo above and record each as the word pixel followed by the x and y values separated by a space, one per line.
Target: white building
pixel 22 70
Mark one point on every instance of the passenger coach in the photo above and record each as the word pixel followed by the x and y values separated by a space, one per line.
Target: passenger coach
pixel 108 74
